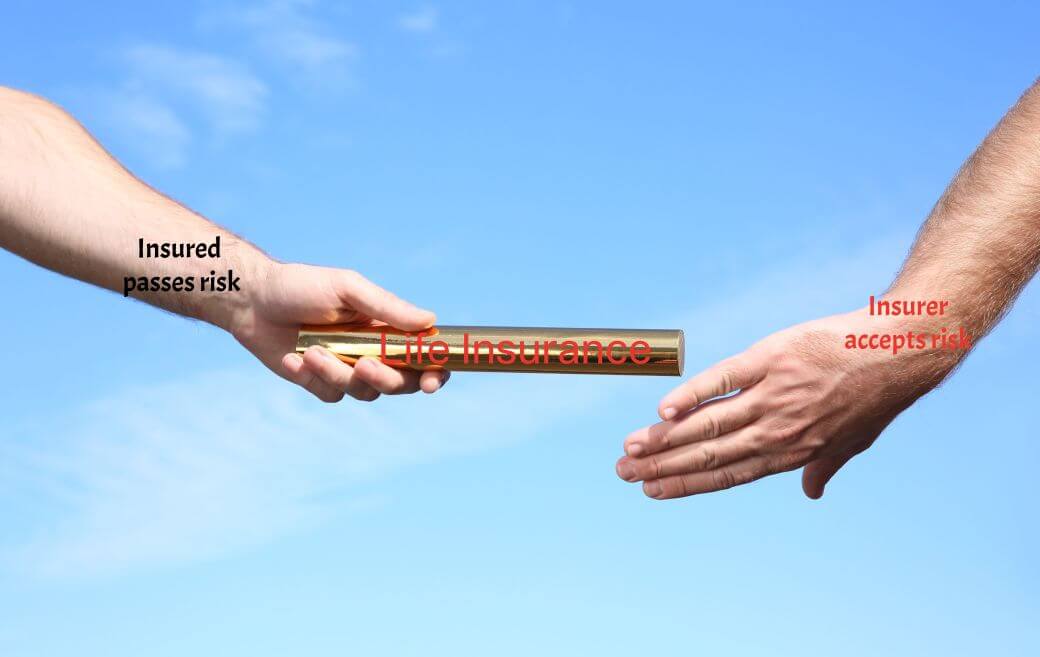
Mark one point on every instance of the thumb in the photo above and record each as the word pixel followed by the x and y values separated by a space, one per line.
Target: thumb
pixel 376 303
pixel 817 473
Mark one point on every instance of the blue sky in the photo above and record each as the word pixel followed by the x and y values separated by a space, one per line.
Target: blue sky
pixel 726 170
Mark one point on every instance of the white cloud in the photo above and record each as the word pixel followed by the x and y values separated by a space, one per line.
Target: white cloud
pixel 153 122
pixel 425 23
pixel 166 96
pixel 188 469
pixel 420 21
pixel 222 90
pixel 167 100
pixel 286 32
pixel 185 470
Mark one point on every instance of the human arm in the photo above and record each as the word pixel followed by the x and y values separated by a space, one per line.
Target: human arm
pixel 804 399
pixel 69 206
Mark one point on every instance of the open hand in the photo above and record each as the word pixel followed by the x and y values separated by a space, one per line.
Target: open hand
pixel 801 399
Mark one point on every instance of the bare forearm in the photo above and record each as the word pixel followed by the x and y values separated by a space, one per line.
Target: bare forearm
pixel 67 205
pixel 981 244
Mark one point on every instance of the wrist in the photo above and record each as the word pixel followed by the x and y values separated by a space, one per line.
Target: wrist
pixel 914 348
pixel 234 311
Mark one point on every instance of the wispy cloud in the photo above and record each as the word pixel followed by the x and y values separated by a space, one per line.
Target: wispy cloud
pixel 225 92
pixel 287 32
pixel 425 24
pixel 183 470
pixel 139 114
pixel 420 21
pixel 167 99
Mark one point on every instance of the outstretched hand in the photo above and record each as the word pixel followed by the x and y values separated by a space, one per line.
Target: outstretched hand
pixel 801 399
pixel 287 296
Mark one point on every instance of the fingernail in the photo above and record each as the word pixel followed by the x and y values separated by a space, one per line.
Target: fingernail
pixel 635 449
pixel 625 471
pixel 652 488
pixel 668 413
pixel 328 355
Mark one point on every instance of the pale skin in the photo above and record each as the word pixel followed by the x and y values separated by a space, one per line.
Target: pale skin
pixel 802 399
pixel 69 206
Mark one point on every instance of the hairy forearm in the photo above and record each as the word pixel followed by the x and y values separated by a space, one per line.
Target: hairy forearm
pixel 981 243
pixel 67 205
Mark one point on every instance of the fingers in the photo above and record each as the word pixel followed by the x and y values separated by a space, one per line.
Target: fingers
pixel 296 371
pixel 721 379
pixel 817 473
pixel 708 422
pixel 391 381
pixel 366 297
pixel 329 378
pixel 689 459
pixel 337 375
pixel 432 381
pixel 384 378
pixel 736 474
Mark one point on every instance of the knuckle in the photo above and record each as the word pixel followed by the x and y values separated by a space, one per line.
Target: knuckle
pixel 329 375
pixel 307 380
pixel 813 443
pixel 752 408
pixel 748 475
pixel 690 392
pixel 670 487
pixel 658 436
pixel 712 427
pixel 785 434
pixel 377 306
pixel 726 381
pixel 786 362
pixel 394 387
pixel 723 479
pixel 681 487
pixel 667 489
pixel 794 460
pixel 330 396
pixel 758 440
pixel 706 458
pixel 655 467
pixel 344 281
pixel 816 438
pixel 780 361
pixel 338 380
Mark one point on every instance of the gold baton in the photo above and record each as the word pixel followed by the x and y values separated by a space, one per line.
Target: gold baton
pixel 657 352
